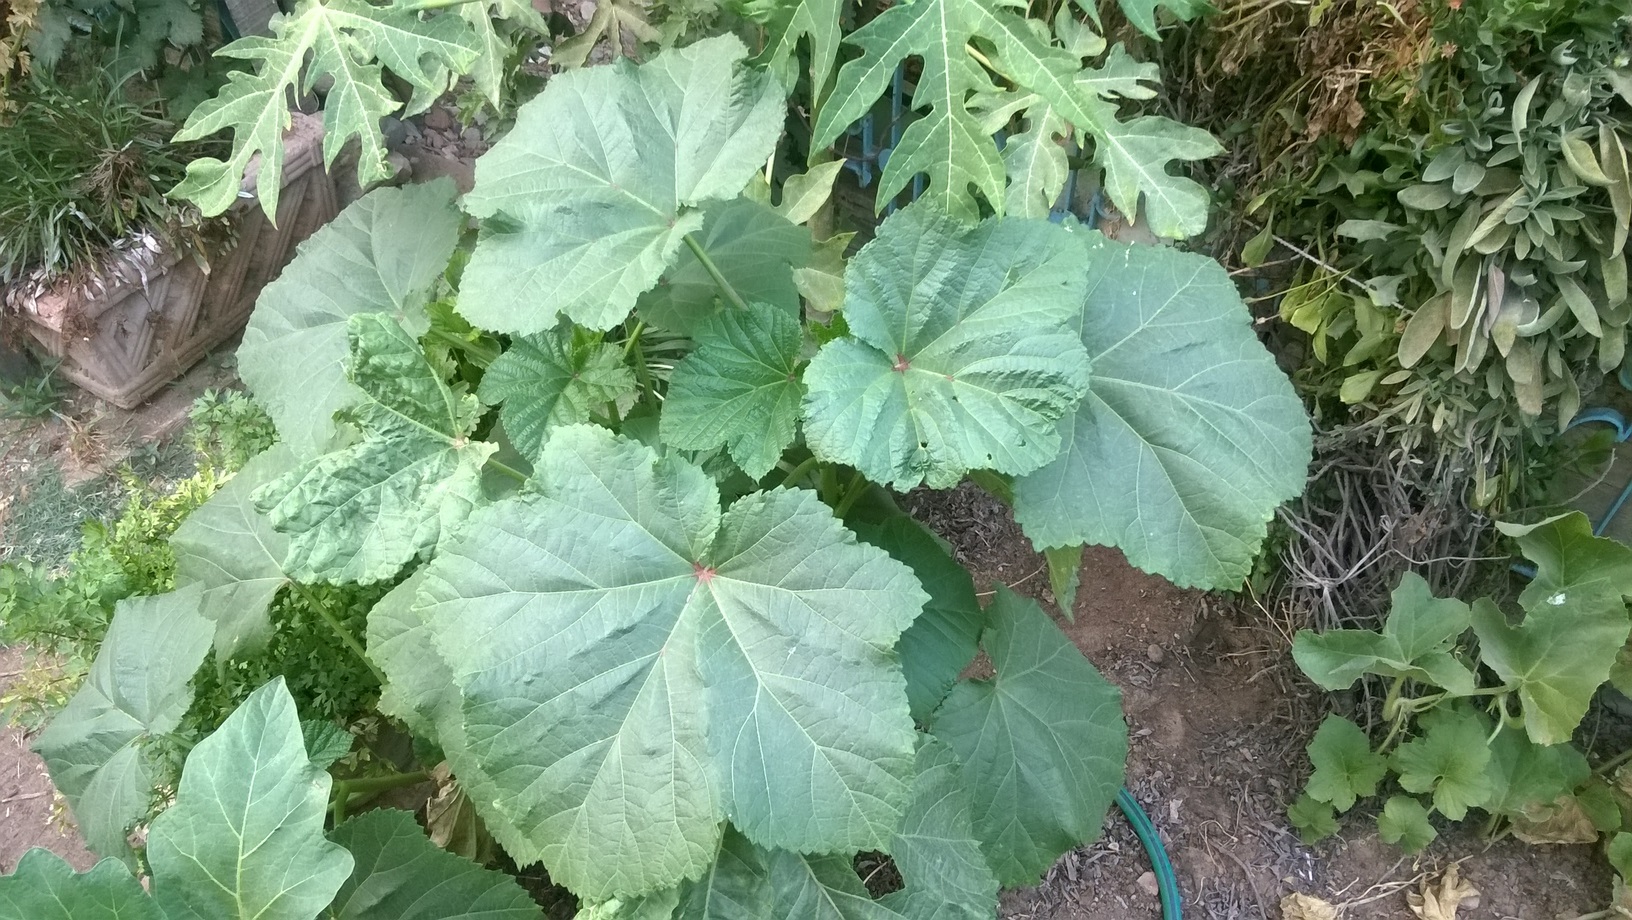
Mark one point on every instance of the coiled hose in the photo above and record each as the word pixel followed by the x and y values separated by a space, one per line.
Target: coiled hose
pixel 1167 881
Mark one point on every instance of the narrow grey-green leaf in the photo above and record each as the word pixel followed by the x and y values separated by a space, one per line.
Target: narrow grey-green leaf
pixel 45 887
pixel 381 255
pixel 1190 436
pixel 601 177
pixel 754 248
pixel 1042 744
pixel 244 839
pixel 553 378
pixel 636 665
pixel 363 512
pixel 936 850
pixel 138 687
pixel 942 641
pixel 233 552
pixel 961 356
pixel 739 389
pixel 401 875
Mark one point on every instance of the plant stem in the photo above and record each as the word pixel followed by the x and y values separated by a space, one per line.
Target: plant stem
pixel 508 470
pixel 714 272
pixel 480 356
pixel 852 492
pixel 634 339
pixel 806 466
pixel 1614 762
pixel 427 5
pixel 344 789
pixel 346 638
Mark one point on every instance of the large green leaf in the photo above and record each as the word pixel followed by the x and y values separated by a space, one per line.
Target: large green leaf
pixel 1449 760
pixel 961 355
pixel 753 247
pixel 1189 437
pixel 381 255
pixel 1415 642
pixel 818 23
pixel 231 550
pixel 1346 768
pixel 361 513
pixel 244 839
pixel 590 194
pixel 346 40
pixel 1524 773
pixel 936 850
pixel 1557 657
pixel 739 389
pixel 401 875
pixel 138 687
pixel 553 378
pixel 636 665
pixel 45 887
pixel 1572 563
pixel 735 887
pixel 944 639
pixel 1042 744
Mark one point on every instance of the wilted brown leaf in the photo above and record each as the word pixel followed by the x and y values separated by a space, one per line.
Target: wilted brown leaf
pixel 1306 907
pixel 1442 900
pixel 1561 821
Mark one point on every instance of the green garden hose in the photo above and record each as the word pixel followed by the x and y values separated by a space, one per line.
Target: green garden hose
pixel 1167 882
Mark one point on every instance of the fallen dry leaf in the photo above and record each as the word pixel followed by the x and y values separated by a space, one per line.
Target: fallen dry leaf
pixel 1441 901
pixel 1561 821
pixel 1305 907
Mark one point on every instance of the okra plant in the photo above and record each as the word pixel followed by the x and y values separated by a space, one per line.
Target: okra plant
pixel 631 478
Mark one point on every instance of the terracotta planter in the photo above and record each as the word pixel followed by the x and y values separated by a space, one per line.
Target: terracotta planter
pixel 127 341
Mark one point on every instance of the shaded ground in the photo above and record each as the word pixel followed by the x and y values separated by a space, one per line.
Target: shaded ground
pixel 29 813
pixel 1219 720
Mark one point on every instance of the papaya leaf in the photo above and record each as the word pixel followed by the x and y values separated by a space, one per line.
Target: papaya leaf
pixel 493 48
pixel 1415 643
pixel 551 379
pixel 1042 745
pixel 1557 657
pixel 349 41
pixel 244 839
pixel 1404 823
pixel 381 255
pixel 1313 819
pixel 739 389
pixel 139 686
pixel 605 172
pixel 1523 773
pixel 363 512
pixel 936 850
pixel 45 887
pixel 1449 760
pixel 401 875
pixel 1142 13
pixel 1190 435
pixel 755 249
pixel 1346 768
pixel 233 552
pixel 741 663
pixel 944 638
pixel 960 355
pixel 818 23
pixel 1036 164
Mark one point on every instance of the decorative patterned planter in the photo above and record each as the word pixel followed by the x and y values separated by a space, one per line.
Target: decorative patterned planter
pixel 127 341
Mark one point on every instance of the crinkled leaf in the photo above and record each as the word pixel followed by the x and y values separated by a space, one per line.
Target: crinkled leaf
pixel 1042 744
pixel 551 379
pixel 635 665
pixel 821 888
pixel 755 249
pixel 401 875
pixel 138 687
pixel 936 850
pixel 381 255
pixel 325 741
pixel 735 887
pixel 1346 768
pixel 739 389
pixel 960 356
pixel 1313 819
pixel 45 887
pixel 347 40
pixel 1449 760
pixel 1523 773
pixel 244 839
pixel 1558 656
pixel 1571 563
pixel 1415 643
pixel 361 513
pixel 1404 823
pixel 944 638
pixel 232 551
pixel 603 174
pixel 1190 435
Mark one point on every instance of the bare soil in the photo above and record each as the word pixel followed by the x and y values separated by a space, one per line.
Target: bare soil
pixel 31 815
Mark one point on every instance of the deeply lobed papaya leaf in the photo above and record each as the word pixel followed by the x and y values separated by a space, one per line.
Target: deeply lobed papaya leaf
pixel 381 255
pixel 401 875
pixel 557 377
pixel 45 887
pixel 362 512
pixel 138 687
pixel 1042 744
pixel 1190 436
pixel 350 41
pixel 961 356
pixel 244 839
pixel 635 665
pixel 1415 643
pixel 589 197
